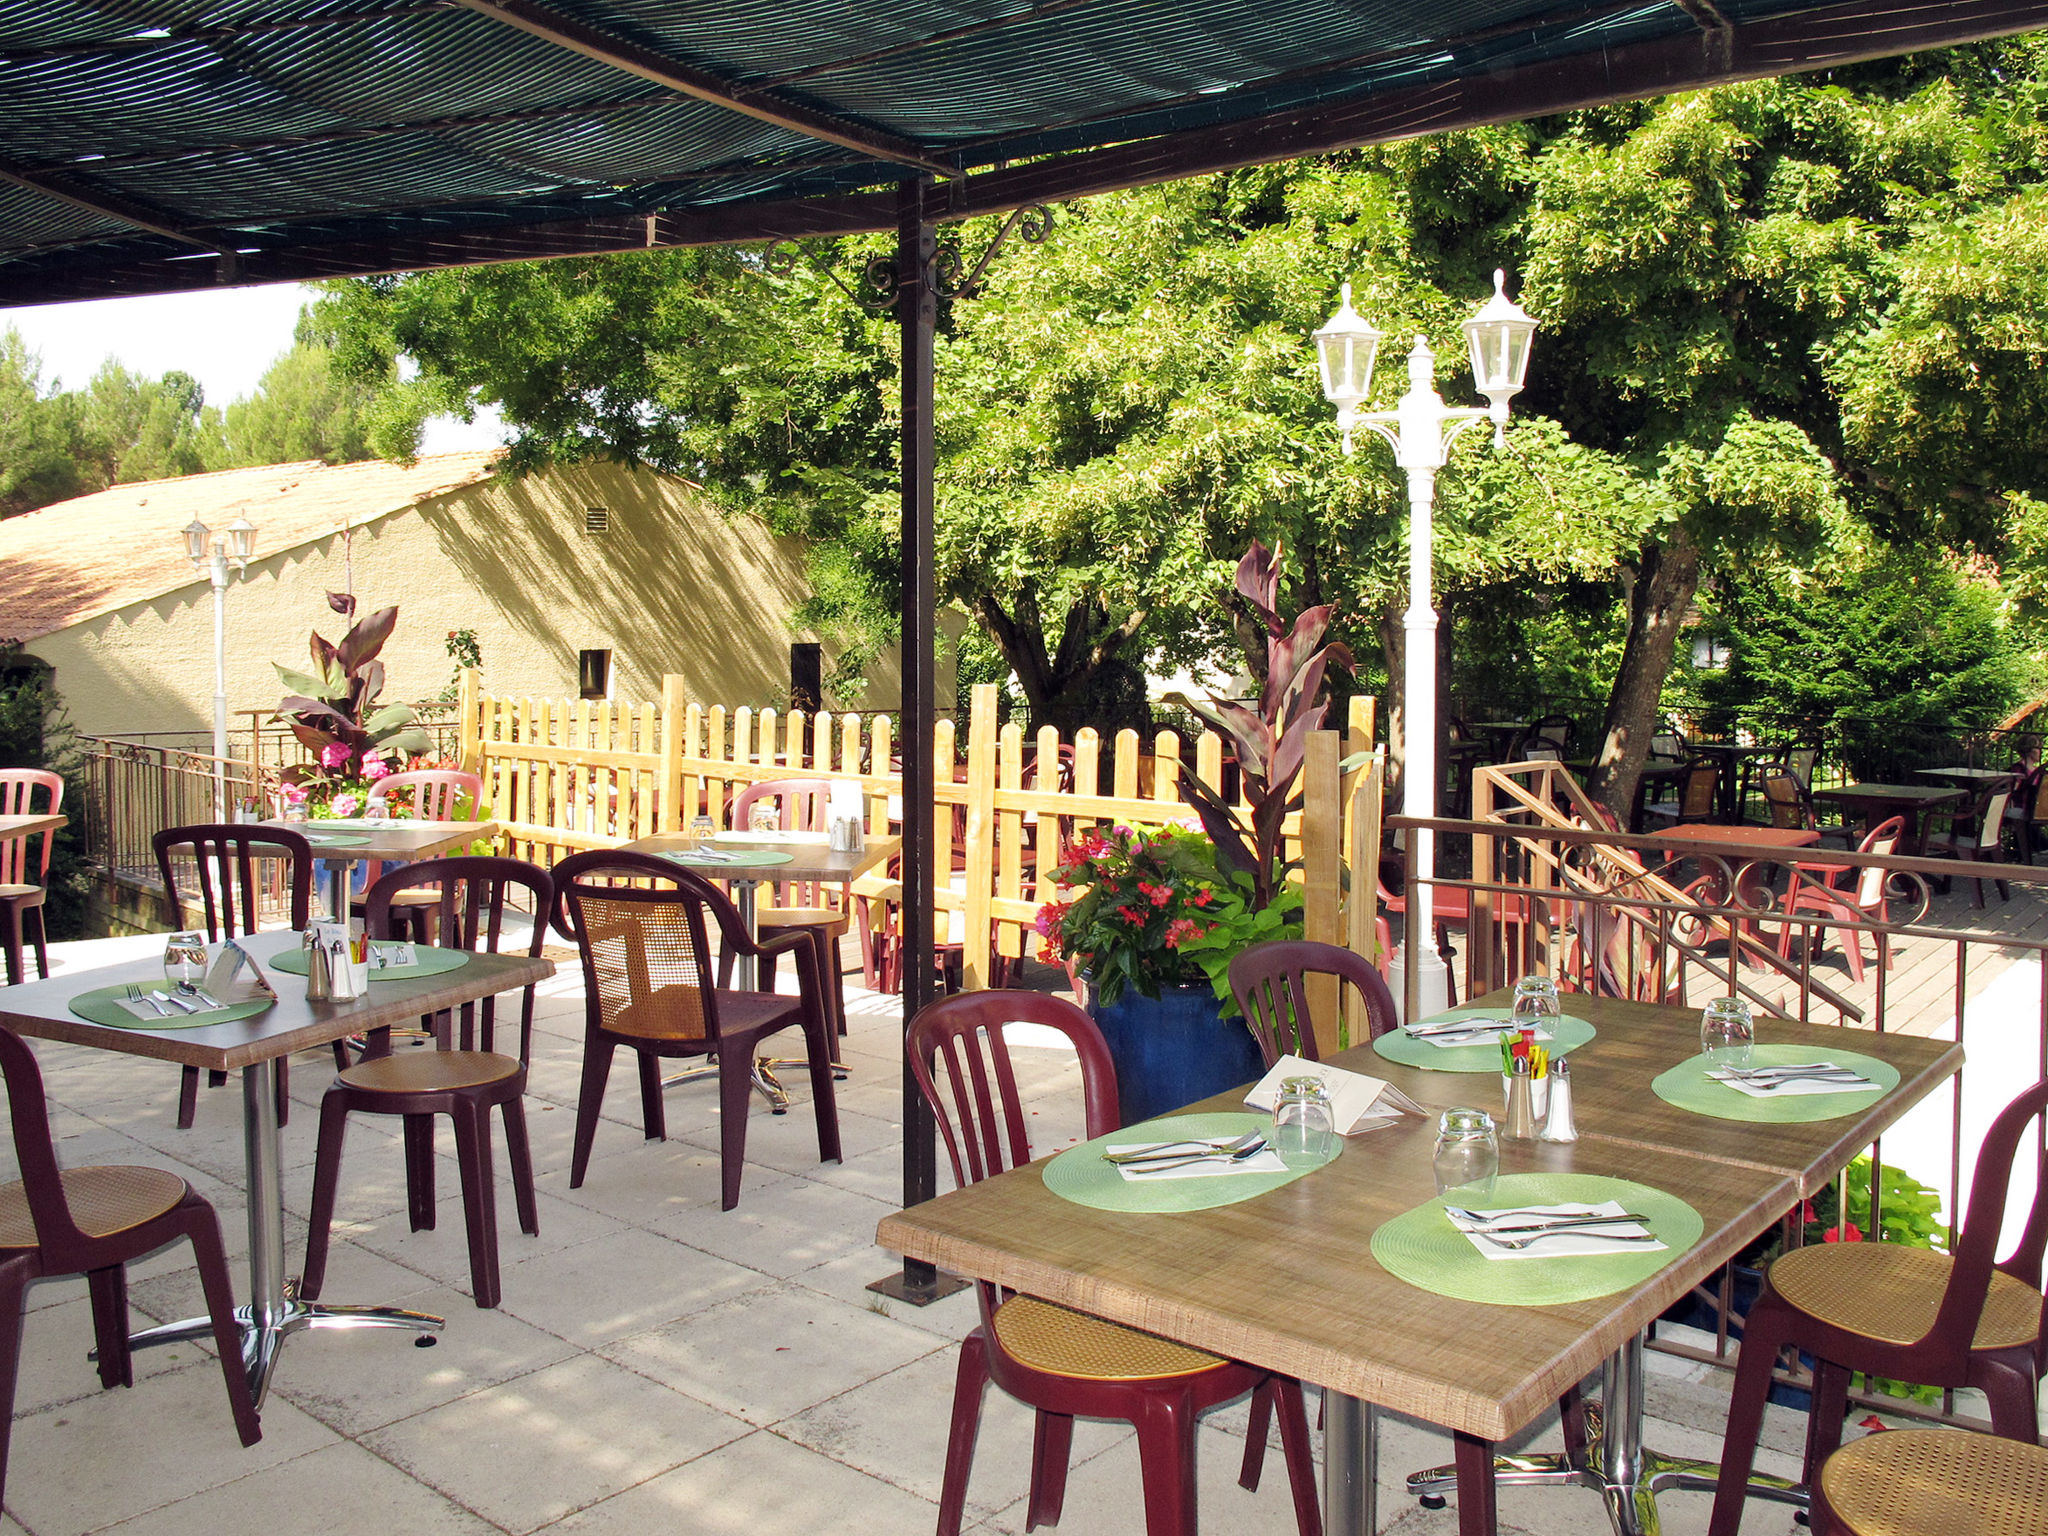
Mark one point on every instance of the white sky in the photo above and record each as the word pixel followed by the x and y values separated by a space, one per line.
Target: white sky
pixel 224 337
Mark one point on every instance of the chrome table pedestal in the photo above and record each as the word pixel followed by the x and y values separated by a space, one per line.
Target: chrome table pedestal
pixel 1626 1474
pixel 274 1313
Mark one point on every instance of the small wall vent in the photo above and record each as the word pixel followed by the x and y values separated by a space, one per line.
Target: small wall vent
pixel 597 520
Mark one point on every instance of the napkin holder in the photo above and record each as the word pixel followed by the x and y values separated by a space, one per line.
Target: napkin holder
pixel 1358 1103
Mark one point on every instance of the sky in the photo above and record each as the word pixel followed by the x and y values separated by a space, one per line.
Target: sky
pixel 224 337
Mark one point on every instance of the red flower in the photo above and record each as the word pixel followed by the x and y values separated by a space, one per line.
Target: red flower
pixel 1049 918
pixel 1182 929
pixel 1854 1234
pixel 1160 894
pixel 1131 915
pixel 1202 898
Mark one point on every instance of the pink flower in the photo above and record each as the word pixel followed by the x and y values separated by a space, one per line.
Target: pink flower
pixel 333 755
pixel 344 805
pixel 374 767
pixel 293 794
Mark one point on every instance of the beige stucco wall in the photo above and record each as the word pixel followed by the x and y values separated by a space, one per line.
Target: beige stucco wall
pixel 672 587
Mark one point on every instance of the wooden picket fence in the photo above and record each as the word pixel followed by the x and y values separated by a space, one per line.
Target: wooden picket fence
pixel 562 775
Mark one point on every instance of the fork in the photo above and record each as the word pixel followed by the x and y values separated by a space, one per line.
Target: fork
pixel 137 995
pixel 1850 1079
pixel 1494 1223
pixel 1203 1149
pixel 1239 1156
pixel 1537 1237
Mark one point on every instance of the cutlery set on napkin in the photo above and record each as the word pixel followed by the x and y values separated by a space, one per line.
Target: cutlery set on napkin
pixel 1203 1157
pixel 1793 1078
pixel 1473 1029
pixel 1554 1231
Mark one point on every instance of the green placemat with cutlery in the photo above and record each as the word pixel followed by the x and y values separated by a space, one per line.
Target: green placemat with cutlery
pixel 1688 1086
pixel 1079 1174
pixel 337 839
pixel 427 962
pixel 102 1005
pixel 1399 1045
pixel 730 858
pixel 1423 1248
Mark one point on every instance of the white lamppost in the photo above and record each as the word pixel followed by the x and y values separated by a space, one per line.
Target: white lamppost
pixel 1421 430
pixel 214 556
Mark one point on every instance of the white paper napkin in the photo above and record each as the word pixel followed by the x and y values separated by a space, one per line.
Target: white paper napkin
pixel 1358 1103
pixel 385 953
pixel 1802 1085
pixel 1266 1160
pixel 1563 1244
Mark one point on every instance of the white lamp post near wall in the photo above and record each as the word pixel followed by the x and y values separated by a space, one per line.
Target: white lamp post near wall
pixel 214 556
pixel 1421 430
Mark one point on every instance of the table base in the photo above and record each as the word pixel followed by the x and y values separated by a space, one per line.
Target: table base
pixel 263 1342
pixel 1616 1464
pixel 766 1083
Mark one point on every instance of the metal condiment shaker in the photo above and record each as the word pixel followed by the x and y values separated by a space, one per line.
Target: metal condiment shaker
pixel 319 975
pixel 1521 1116
pixel 1559 1126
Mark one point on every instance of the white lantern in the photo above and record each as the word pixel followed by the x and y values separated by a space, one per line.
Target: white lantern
pixel 241 538
pixel 196 534
pixel 1499 340
pixel 1346 347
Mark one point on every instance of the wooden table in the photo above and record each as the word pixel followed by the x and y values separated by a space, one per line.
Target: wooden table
pixel 11 828
pixel 1287 1282
pixel 254 1046
pixel 1967 777
pixel 1872 803
pixel 1762 839
pixel 390 842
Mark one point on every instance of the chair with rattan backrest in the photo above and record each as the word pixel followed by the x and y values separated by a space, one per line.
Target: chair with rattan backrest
pixel 1932 1482
pixel 94 1222
pixel 1961 1319
pixel 1985 843
pixel 1270 983
pixel 20 895
pixel 1057 1361
pixel 1696 795
pixel 225 863
pixel 463 1080
pixel 642 928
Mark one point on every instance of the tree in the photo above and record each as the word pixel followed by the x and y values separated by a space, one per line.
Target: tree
pixel 303 408
pixel 39 439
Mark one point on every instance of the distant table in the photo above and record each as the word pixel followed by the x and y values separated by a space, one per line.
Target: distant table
pixel 1872 803
pixel 389 842
pixel 1966 778
pixel 1749 891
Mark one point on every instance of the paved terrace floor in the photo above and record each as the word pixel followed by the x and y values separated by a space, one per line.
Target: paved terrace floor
pixel 657 1365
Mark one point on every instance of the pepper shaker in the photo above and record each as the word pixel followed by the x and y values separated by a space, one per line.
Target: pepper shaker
pixel 1558 1125
pixel 319 976
pixel 1521 1116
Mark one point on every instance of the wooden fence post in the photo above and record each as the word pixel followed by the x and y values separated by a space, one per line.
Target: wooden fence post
pixel 1322 856
pixel 672 810
pixel 981 826
pixel 1361 912
pixel 469 725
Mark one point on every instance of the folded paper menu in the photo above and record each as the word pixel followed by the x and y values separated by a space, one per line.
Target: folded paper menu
pixel 1357 1103
pixel 224 978
pixel 1522 1223
pixel 386 953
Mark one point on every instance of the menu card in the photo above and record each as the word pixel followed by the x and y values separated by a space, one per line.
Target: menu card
pixel 1357 1103
pixel 225 979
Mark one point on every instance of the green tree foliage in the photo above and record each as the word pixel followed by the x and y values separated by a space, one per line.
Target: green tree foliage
pixel 303 408
pixel 38 434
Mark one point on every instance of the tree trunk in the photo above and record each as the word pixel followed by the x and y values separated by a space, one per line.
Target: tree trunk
pixel 1665 583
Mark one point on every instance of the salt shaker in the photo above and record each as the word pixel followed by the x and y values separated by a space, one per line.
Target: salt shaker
pixel 1521 1117
pixel 1557 1125
pixel 319 975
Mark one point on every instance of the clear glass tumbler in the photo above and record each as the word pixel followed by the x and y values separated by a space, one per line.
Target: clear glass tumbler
pixel 763 816
pixel 1727 1033
pixel 701 831
pixel 185 958
pixel 1536 1004
pixel 1467 1152
pixel 1304 1127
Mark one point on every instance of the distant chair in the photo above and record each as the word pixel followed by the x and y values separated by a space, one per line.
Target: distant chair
pixel 1983 845
pixel 1852 895
pixel 1552 732
pixel 20 896
pixel 434 794
pixel 1696 797
pixel 2027 811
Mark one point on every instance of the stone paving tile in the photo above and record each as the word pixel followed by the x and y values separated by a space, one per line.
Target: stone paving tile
pixel 798 1225
pixel 621 1284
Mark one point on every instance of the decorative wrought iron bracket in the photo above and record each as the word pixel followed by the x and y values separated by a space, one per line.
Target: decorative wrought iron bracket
pixel 875 285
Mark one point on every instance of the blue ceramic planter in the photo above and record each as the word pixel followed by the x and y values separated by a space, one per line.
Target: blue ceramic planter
pixel 1174 1049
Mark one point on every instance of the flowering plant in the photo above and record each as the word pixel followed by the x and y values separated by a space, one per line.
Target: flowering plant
pixel 339 787
pixel 1158 912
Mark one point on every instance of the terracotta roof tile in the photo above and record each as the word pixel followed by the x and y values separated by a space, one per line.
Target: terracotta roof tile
pixel 89 556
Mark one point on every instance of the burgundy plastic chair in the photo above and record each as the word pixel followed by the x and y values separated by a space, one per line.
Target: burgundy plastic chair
pixel 464 1084
pixel 1931 1482
pixel 640 925
pixel 1055 1360
pixel 92 1222
pixel 1983 846
pixel 224 859
pixel 1267 980
pixel 20 895
pixel 1961 1319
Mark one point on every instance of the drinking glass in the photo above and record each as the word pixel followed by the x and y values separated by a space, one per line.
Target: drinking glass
pixel 1536 1005
pixel 1727 1033
pixel 184 957
pixel 1467 1151
pixel 1304 1126
pixel 763 816
pixel 376 810
pixel 701 831
pixel 295 811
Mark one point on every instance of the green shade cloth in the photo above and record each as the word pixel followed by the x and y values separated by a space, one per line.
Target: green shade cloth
pixel 1423 1248
pixel 1688 1086
pixel 1399 1045
pixel 731 858
pixel 432 962
pixel 102 1005
pixel 337 839
pixel 1079 1174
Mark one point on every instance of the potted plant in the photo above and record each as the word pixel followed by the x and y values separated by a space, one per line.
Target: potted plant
pixel 333 710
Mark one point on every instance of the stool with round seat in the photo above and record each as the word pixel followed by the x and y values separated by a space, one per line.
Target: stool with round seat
pixel 1885 1309
pixel 1932 1482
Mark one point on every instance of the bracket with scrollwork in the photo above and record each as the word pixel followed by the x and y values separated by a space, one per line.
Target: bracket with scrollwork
pixel 877 281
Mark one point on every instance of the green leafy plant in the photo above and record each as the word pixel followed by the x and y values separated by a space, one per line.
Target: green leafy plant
pixel 333 709
pixel 1270 737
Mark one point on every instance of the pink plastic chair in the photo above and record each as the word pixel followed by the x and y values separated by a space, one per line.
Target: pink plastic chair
pixel 802 805
pixel 436 792
pixel 19 894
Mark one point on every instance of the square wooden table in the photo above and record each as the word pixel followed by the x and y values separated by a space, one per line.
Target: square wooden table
pixel 390 842
pixel 1287 1281
pixel 1872 803
pixel 254 1045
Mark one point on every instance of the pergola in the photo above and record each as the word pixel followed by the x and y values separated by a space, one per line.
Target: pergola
pixel 163 145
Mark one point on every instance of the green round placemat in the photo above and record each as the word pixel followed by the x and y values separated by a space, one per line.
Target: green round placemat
pixel 337 839
pixel 1423 1248
pixel 1399 1045
pixel 432 962
pixel 102 1005
pixel 1688 1086
pixel 731 858
pixel 1079 1174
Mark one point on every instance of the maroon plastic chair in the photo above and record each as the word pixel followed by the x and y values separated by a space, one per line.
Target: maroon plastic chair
pixel 224 859
pixel 1931 1482
pixel 1961 1319
pixel 464 1084
pixel 92 1222
pixel 19 895
pixel 1268 982
pixel 1055 1360
pixel 639 923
